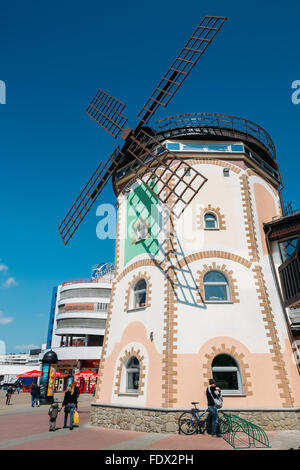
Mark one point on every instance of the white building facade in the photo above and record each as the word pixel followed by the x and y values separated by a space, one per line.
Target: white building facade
pixel 77 322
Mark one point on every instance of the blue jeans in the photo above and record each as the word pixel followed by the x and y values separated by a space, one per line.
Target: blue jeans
pixel 69 409
pixel 35 400
pixel 214 412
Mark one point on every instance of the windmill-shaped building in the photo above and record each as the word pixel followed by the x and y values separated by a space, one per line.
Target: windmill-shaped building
pixel 194 294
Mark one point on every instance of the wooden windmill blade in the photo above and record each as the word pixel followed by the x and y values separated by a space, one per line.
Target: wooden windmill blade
pixel 88 196
pixel 182 65
pixel 172 181
pixel 107 112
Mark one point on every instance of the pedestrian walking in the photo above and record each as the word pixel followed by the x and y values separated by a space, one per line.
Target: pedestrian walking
pixel 9 393
pixel 70 403
pixel 35 395
pixel 53 413
pixel 214 401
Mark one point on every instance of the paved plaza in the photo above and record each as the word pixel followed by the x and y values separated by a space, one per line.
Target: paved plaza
pixel 25 428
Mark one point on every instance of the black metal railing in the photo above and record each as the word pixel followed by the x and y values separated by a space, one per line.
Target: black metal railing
pixel 289 273
pixel 236 126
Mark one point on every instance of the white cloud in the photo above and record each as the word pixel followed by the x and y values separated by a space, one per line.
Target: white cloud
pixel 5 320
pixel 3 267
pixel 10 282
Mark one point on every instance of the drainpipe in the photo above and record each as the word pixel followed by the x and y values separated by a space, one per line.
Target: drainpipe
pixel 290 334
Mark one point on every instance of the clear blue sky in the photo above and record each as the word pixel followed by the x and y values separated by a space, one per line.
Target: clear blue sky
pixel 53 57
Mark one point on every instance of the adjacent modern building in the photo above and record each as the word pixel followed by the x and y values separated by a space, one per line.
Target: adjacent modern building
pixel 77 320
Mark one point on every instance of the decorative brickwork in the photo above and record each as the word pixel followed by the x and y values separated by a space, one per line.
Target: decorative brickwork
pixel 129 291
pixel 211 210
pixel 248 218
pixel 229 274
pixel 271 332
pixel 169 377
pixel 214 254
pixel 127 354
pixel 211 161
pixel 239 357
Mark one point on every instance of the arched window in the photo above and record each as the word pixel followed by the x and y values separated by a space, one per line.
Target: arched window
pixel 210 221
pixel 139 294
pixel 226 372
pixel 132 374
pixel 216 287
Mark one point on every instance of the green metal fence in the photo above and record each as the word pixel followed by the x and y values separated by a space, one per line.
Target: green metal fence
pixel 241 434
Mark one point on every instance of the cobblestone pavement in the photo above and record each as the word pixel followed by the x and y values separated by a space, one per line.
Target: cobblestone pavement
pixel 23 427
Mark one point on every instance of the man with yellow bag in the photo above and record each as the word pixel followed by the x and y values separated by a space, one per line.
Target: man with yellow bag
pixel 70 404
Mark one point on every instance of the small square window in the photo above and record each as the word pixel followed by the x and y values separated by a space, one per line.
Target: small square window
pixel 226 171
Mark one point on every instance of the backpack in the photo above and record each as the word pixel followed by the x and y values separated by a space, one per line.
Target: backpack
pixel 218 401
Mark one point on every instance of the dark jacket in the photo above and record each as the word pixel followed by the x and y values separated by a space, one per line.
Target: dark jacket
pixel 215 393
pixel 54 410
pixel 35 390
pixel 69 398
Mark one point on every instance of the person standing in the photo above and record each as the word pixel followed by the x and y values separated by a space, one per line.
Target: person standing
pixel 213 392
pixel 53 413
pixel 70 404
pixel 9 393
pixel 35 395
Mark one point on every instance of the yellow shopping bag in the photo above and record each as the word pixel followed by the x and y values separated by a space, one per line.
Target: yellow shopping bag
pixel 76 417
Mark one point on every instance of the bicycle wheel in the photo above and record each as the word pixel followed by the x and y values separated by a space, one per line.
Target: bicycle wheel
pixel 202 426
pixel 187 423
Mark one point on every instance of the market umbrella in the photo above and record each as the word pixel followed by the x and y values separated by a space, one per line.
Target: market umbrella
pixel 86 374
pixel 31 373
pixel 60 374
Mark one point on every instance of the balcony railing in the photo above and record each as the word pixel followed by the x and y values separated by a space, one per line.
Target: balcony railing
pixel 101 280
pixel 220 123
pixel 289 273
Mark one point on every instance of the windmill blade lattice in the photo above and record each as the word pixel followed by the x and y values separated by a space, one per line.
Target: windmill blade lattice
pixel 107 112
pixel 182 65
pixel 176 182
pixel 88 195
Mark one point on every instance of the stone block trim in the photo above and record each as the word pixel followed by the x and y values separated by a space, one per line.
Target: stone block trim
pixel 166 421
pixel 239 357
pixel 169 353
pixel 131 283
pixel 127 354
pixel 270 326
pixel 214 210
pixel 229 274
pixel 138 264
pixel 211 161
pixel 249 218
pixel 214 254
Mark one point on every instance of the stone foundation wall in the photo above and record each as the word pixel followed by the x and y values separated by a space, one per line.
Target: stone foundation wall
pixel 166 420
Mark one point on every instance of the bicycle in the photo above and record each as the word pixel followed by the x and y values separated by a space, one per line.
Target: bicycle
pixel 191 421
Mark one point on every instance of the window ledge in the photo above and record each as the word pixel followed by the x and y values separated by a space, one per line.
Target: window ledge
pixel 218 302
pixel 128 394
pixel 136 309
pixel 217 228
pixel 233 394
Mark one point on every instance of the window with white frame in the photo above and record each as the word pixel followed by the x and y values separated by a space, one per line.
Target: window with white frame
pixel 216 287
pixel 139 294
pixel 226 373
pixel 132 375
pixel 210 221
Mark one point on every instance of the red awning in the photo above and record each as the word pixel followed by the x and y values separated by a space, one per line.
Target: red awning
pixel 86 374
pixel 31 373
